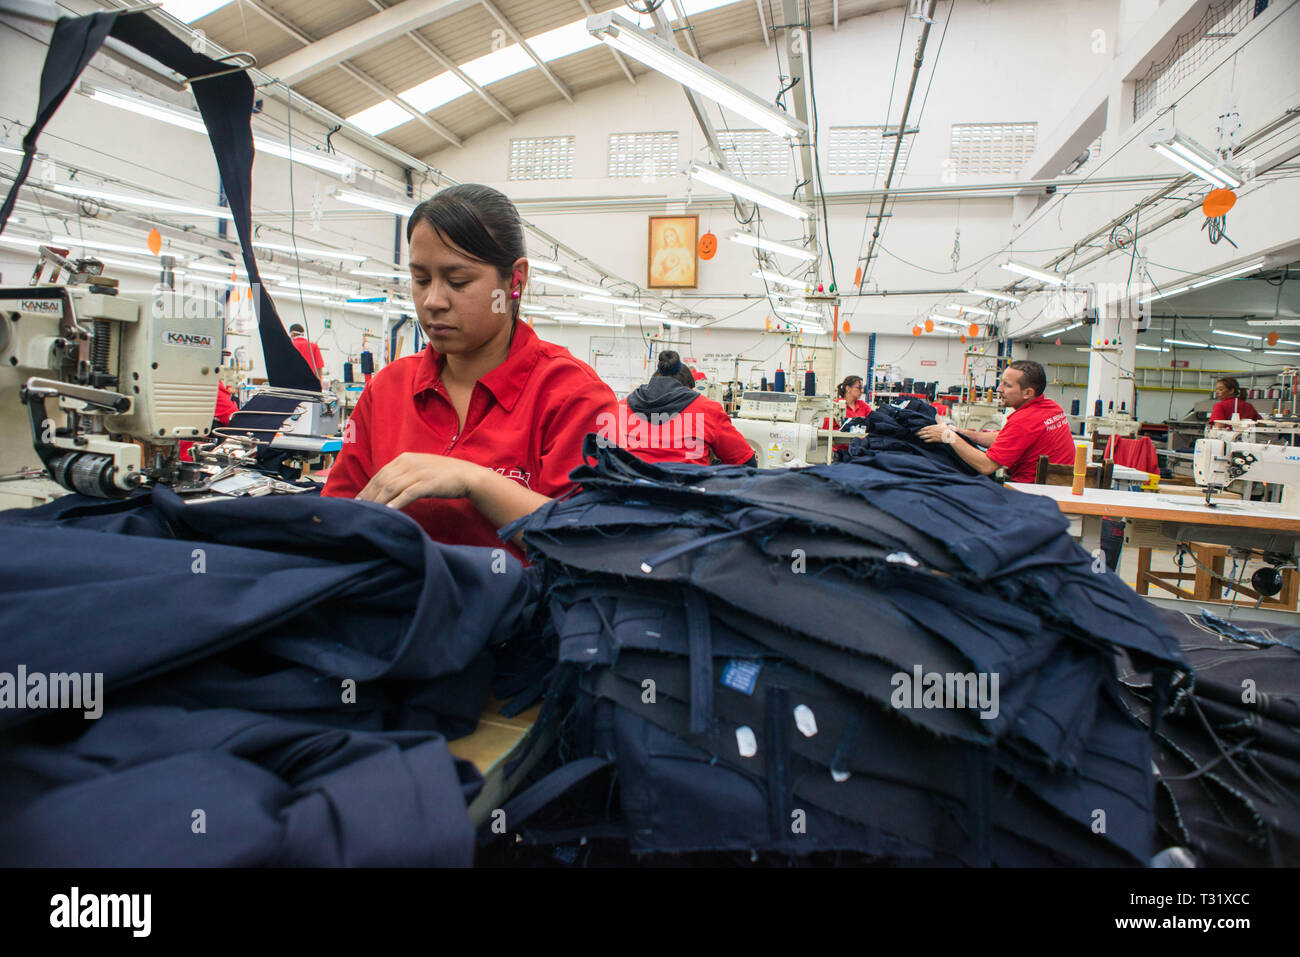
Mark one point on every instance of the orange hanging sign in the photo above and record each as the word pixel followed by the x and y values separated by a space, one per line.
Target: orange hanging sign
pixel 1217 202
pixel 708 245
pixel 154 241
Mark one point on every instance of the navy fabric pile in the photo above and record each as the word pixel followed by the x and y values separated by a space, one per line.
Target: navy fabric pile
pixel 892 428
pixel 737 640
pixel 290 666
pixel 1228 747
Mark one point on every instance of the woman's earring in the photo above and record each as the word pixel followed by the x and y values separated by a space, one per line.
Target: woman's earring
pixel 515 294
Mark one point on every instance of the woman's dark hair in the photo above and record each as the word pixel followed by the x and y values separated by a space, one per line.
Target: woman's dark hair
pixel 1231 384
pixel 477 219
pixel 672 367
pixel 843 387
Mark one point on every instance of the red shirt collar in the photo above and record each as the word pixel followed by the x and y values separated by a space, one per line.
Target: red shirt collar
pixel 505 382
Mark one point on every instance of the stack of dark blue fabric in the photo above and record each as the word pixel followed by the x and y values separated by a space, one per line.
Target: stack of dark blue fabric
pixel 280 679
pixel 744 647
pixel 1228 748
pixel 892 428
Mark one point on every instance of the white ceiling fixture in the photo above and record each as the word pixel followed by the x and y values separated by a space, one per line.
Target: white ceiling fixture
pixel 238 270
pixel 771 246
pixel 950 320
pixel 190 120
pixel 380 273
pixel 137 266
pixel 1273 322
pixel 1150 349
pixel 973 310
pixel 626 37
pixel 638 311
pixel 312 287
pixel 682 323
pixel 594 321
pixel 1194 158
pixel 566 283
pixel 1050 278
pixel 108 246
pixel 794 310
pixel 988 294
pixel 1254 266
pixel 607 300
pixel 1230 348
pixel 142 201
pixel 545 265
pixel 1184 342
pixel 1235 335
pixel 358 198
pixel 312 252
pixel 1057 332
pixel 778 278
pixel 1275 352
pixel 739 187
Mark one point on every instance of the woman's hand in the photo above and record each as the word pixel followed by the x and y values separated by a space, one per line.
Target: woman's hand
pixel 413 475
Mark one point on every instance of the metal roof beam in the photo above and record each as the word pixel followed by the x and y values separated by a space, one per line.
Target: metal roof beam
pixel 523 45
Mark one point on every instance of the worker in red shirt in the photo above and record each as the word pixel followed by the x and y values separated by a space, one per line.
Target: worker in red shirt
pixel 1228 402
pixel 308 349
pixel 1035 426
pixel 484 424
pixel 850 390
pixel 666 420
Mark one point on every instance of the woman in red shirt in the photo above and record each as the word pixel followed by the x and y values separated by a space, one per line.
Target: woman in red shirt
pixel 666 420
pixel 483 425
pixel 1226 392
pixel 850 390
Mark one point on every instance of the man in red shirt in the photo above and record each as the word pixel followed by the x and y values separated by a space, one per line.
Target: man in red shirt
pixel 308 349
pixel 1035 426
pixel 483 426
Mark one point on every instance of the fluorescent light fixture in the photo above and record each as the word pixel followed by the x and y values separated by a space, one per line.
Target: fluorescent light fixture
pixel 311 287
pixel 529 307
pixel 22 243
pixel 593 321
pixel 606 299
pixel 15 152
pixel 107 246
pixel 1057 332
pixel 1275 352
pixel 678 322
pixel 638 311
pixel 380 273
pixel 1194 158
pixel 973 310
pixel 566 315
pixel 738 187
pixel 1240 270
pixel 1230 348
pixel 778 279
pixel 798 311
pixel 950 320
pixel 137 266
pixel 237 269
pixel 141 200
pixel 1235 335
pixel 1273 322
pixel 630 39
pixel 1163 294
pixel 190 120
pixel 1150 348
pixel 357 198
pixel 1287 342
pixel 1184 342
pixel 314 252
pixel 567 283
pixel 545 265
pixel 1050 278
pixel 771 246
pixel 1001 296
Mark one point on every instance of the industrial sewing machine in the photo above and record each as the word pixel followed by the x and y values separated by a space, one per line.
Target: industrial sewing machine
pixel 781 427
pixel 98 390
pixel 1228 457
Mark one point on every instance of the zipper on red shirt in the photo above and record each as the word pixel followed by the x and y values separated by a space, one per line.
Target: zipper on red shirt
pixel 452 443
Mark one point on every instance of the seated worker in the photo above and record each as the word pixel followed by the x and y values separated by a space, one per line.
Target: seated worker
pixel 1035 426
pixel 666 420
pixel 308 349
pixel 484 424
pixel 850 390
pixel 1227 395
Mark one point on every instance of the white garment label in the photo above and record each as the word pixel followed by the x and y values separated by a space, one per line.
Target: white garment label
pixel 805 720
pixel 746 742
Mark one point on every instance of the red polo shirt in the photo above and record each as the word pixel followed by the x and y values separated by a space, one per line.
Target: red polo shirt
pixel 1039 427
pixel 859 410
pixel 687 436
pixel 526 419
pixel 1224 408
pixel 309 351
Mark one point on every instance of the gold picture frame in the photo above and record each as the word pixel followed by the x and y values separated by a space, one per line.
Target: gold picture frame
pixel 673 256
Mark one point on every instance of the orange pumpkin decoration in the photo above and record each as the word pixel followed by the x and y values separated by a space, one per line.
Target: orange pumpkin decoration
pixel 708 245
pixel 1272 338
pixel 857 277
pixel 916 330
pixel 154 241
pixel 929 325
pixel 974 331
pixel 845 327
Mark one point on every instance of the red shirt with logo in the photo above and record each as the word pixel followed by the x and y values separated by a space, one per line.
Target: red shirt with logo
pixel 1224 408
pixel 309 351
pixel 526 420
pixel 686 436
pixel 1039 427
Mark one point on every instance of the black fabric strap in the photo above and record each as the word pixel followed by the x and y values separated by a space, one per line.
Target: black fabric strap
pixel 226 104
pixel 559 782
pixel 700 641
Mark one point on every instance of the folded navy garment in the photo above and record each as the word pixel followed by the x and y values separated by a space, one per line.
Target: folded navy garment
pixel 892 427
pixel 781 624
pixel 292 665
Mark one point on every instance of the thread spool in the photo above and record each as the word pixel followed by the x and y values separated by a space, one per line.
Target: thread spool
pixel 810 383
pixel 347 372
pixel 1080 467
pixel 762 384
pixel 1074 406
pixel 1096 409
pixel 778 381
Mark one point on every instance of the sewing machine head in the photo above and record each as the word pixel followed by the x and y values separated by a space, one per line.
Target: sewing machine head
pixel 1217 462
